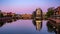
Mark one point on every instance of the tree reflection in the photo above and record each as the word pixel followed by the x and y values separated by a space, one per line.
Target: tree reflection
pixel 6 21
pixel 1 23
pixel 52 28
pixel 10 21
pixel 37 24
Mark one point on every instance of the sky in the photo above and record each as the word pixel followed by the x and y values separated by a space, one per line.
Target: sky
pixel 27 6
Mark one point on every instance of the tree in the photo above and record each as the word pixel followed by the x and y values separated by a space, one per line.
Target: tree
pixel 50 12
pixel 1 15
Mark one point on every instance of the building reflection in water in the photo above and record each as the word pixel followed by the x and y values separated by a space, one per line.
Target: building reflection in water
pixel 52 28
pixel 6 21
pixel 37 24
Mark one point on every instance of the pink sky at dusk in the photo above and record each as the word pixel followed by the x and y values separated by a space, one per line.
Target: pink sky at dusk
pixel 27 6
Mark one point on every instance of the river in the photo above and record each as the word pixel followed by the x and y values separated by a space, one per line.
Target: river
pixel 24 27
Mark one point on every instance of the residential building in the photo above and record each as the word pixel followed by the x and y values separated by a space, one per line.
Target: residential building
pixel 57 11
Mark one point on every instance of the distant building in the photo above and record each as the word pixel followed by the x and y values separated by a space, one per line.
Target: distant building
pixel 0 10
pixel 26 16
pixel 44 15
pixel 10 14
pixel 13 14
pixel 4 13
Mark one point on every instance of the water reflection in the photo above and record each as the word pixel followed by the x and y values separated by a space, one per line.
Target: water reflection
pixel 37 24
pixel 10 21
pixel 1 23
pixel 24 27
pixel 53 27
pixel 6 21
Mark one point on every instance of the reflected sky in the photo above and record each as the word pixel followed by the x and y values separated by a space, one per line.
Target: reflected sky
pixel 23 27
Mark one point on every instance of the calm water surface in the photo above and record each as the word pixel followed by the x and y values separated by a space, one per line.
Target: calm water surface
pixel 24 27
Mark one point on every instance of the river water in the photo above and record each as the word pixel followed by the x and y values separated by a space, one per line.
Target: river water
pixel 24 27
